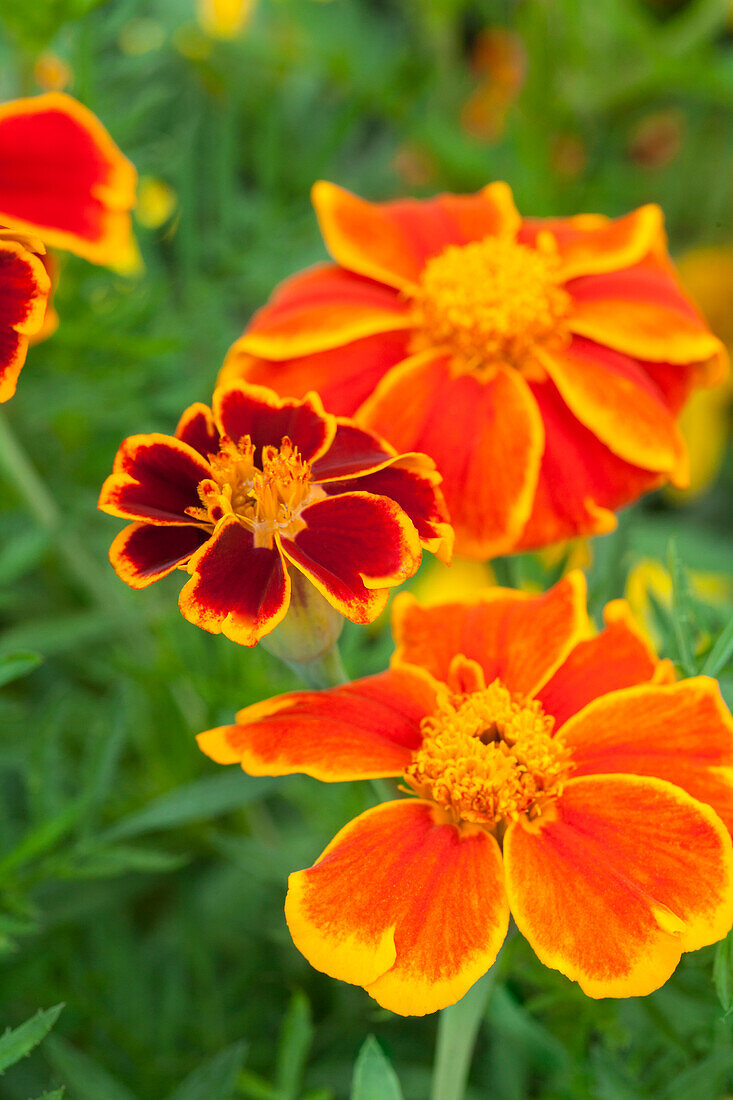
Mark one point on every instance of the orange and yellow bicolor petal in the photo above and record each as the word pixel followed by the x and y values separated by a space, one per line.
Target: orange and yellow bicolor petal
pixel 680 732
pixel 64 178
pixel 372 910
pixel 621 876
pixel 363 730
pixel 155 479
pixel 514 636
pixel 24 290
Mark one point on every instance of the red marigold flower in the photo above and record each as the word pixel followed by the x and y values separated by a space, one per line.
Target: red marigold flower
pixel 24 289
pixel 541 363
pixel 63 178
pixel 560 776
pixel 258 486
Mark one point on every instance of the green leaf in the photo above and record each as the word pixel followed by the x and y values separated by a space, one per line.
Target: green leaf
pixel 19 1042
pixel 16 665
pixel 721 652
pixel 374 1078
pixel 295 1042
pixel 203 799
pixel 681 610
pixel 723 972
pixel 85 1078
pixel 216 1079
pixel 57 1094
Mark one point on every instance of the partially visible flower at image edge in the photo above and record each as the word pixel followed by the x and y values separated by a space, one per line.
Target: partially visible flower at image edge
pixel 541 363
pixel 256 489
pixel 559 775
pixel 63 182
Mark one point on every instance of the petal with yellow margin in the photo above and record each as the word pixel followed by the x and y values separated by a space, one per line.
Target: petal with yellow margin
pixel 142 553
pixel 392 241
pixel 679 732
pixel 363 730
pixel 372 910
pixel 255 411
pixel 24 290
pixel 622 875
pixel 154 478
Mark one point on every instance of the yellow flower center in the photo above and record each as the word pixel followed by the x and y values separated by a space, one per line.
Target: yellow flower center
pixel 492 302
pixel 265 498
pixel 488 756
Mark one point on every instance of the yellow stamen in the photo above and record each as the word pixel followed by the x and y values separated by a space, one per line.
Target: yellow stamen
pixel 265 498
pixel 492 302
pixel 488 756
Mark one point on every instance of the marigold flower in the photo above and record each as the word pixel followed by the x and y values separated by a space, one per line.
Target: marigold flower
pixel 541 363
pixel 558 775
pixel 25 286
pixel 256 488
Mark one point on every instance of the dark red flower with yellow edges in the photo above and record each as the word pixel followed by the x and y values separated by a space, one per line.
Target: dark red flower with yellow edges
pixel 541 363
pixel 25 286
pixel 256 487
pixel 558 775
pixel 63 178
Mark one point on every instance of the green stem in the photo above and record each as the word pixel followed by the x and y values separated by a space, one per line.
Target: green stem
pixel 458 1027
pixel 326 671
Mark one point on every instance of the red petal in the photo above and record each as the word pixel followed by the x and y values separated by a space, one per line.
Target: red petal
pixel 362 730
pixel 353 452
pixel 24 291
pixel 412 910
pixel 616 658
pixel 263 416
pixel 155 477
pixel 353 548
pixel 236 589
pixel 64 178
pixel 197 428
pixel 142 553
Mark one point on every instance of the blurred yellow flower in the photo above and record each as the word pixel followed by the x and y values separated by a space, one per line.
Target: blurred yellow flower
pixel 156 201
pixel 224 18
pixel 51 73
pixel 141 36
pixel 707 274
pixel 648 582
pixel 437 583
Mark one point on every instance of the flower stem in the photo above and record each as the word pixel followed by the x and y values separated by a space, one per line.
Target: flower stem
pixel 326 671
pixel 457 1030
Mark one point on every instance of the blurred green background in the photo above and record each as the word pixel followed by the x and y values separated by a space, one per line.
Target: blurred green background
pixel 140 884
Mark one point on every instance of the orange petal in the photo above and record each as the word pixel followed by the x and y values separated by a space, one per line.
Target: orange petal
pixel 362 730
pixel 485 435
pixel 392 241
pixel 641 311
pixel 520 639
pixel 373 909
pixel 621 877
pixel 24 290
pixel 64 178
pixel 613 397
pixel 236 589
pixel 616 658
pixel 595 245
pixel 344 376
pixel 680 732
pixel 321 308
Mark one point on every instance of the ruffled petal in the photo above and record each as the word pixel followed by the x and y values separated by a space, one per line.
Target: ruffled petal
pixel 354 452
pixel 485 435
pixel 618 657
pixel 353 548
pixel 592 244
pixel 266 418
pixel 520 639
pixel 344 376
pixel 618 880
pixel 198 429
pixel 680 732
pixel 616 400
pixel 321 308
pixel 155 478
pixel 236 589
pixel 363 730
pixel 641 311
pixel 142 553
pixel 392 241
pixel 581 482
pixel 24 290
pixel 372 910
pixel 64 178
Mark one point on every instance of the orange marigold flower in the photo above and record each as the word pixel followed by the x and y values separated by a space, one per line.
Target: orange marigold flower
pixel 541 363
pixel 559 775
pixel 257 487
pixel 25 286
